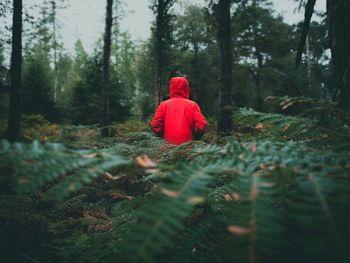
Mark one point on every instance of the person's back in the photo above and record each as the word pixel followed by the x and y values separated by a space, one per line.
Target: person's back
pixel 179 118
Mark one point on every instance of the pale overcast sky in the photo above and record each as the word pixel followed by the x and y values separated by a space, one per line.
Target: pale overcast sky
pixel 84 19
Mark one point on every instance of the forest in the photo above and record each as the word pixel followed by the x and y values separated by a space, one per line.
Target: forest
pixel 83 178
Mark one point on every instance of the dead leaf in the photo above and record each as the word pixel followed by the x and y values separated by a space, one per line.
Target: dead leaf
pixel 286 105
pixel 195 200
pixel 324 136
pixel 119 196
pixel 152 171
pixel 259 126
pixel 266 184
pixel 145 161
pixel 239 230
pixel 111 178
pixel 253 147
pixel 90 156
pixel 169 193
pixel 262 166
pixel 232 197
pixel 286 127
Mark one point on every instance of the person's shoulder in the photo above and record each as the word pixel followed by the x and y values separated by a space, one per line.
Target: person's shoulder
pixel 164 102
pixel 193 103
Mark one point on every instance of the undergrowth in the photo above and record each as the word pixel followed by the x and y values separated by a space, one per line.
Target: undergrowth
pixel 277 190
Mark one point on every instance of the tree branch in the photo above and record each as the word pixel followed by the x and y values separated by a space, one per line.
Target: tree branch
pixel 309 10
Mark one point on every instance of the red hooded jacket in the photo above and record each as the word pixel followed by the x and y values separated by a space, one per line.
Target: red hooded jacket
pixel 179 118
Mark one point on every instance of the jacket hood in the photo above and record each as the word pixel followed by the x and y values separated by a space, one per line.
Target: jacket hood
pixel 179 88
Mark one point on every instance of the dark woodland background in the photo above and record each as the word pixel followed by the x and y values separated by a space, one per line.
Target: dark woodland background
pixel 82 178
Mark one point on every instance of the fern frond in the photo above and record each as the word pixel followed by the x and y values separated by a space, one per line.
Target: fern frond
pixel 319 210
pixel 36 164
pixel 158 223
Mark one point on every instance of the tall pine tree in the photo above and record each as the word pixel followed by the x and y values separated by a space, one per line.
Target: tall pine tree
pixel 223 20
pixel 14 120
pixel 104 119
pixel 161 33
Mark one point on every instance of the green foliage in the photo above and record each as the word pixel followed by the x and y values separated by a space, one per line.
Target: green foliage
pixel 325 129
pixel 276 190
pixel 145 74
pixel 85 101
pixel 37 95
pixel 36 127
pixel 34 165
pixel 161 220
pixel 4 84
pixel 248 200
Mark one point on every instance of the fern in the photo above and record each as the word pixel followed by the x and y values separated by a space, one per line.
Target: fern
pixel 35 165
pixel 163 219
pixel 319 210
pixel 277 193
pixel 282 127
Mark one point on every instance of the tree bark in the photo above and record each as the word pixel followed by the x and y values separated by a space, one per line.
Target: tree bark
pixel 159 50
pixel 309 10
pixel 339 34
pixel 195 88
pixel 161 8
pixel 104 120
pixel 223 17
pixel 55 84
pixel 14 120
pixel 259 99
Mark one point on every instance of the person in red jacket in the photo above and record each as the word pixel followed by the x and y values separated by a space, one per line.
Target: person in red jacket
pixel 179 119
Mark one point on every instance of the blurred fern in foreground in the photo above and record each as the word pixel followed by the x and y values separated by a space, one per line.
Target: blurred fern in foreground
pixel 276 192
pixel 35 165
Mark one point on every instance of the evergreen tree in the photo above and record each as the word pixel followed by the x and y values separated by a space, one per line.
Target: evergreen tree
pixel 38 85
pixel 83 105
pixel 4 85
pixel 14 120
pixel 105 88
pixel 145 80
pixel 195 55
pixel 339 36
pixel 5 7
pixel 261 43
pixel 339 40
pixel 162 37
pixel 223 21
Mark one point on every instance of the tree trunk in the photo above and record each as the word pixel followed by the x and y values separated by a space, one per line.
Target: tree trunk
pixel 308 66
pixel 223 17
pixel 339 34
pixel 159 50
pixel 104 120
pixel 161 9
pixel 195 76
pixel 259 99
pixel 14 120
pixel 55 84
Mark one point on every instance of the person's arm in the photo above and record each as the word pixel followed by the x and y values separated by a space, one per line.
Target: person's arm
pixel 157 124
pixel 199 123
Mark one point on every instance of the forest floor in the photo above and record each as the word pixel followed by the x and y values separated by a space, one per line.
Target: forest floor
pixel 278 185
